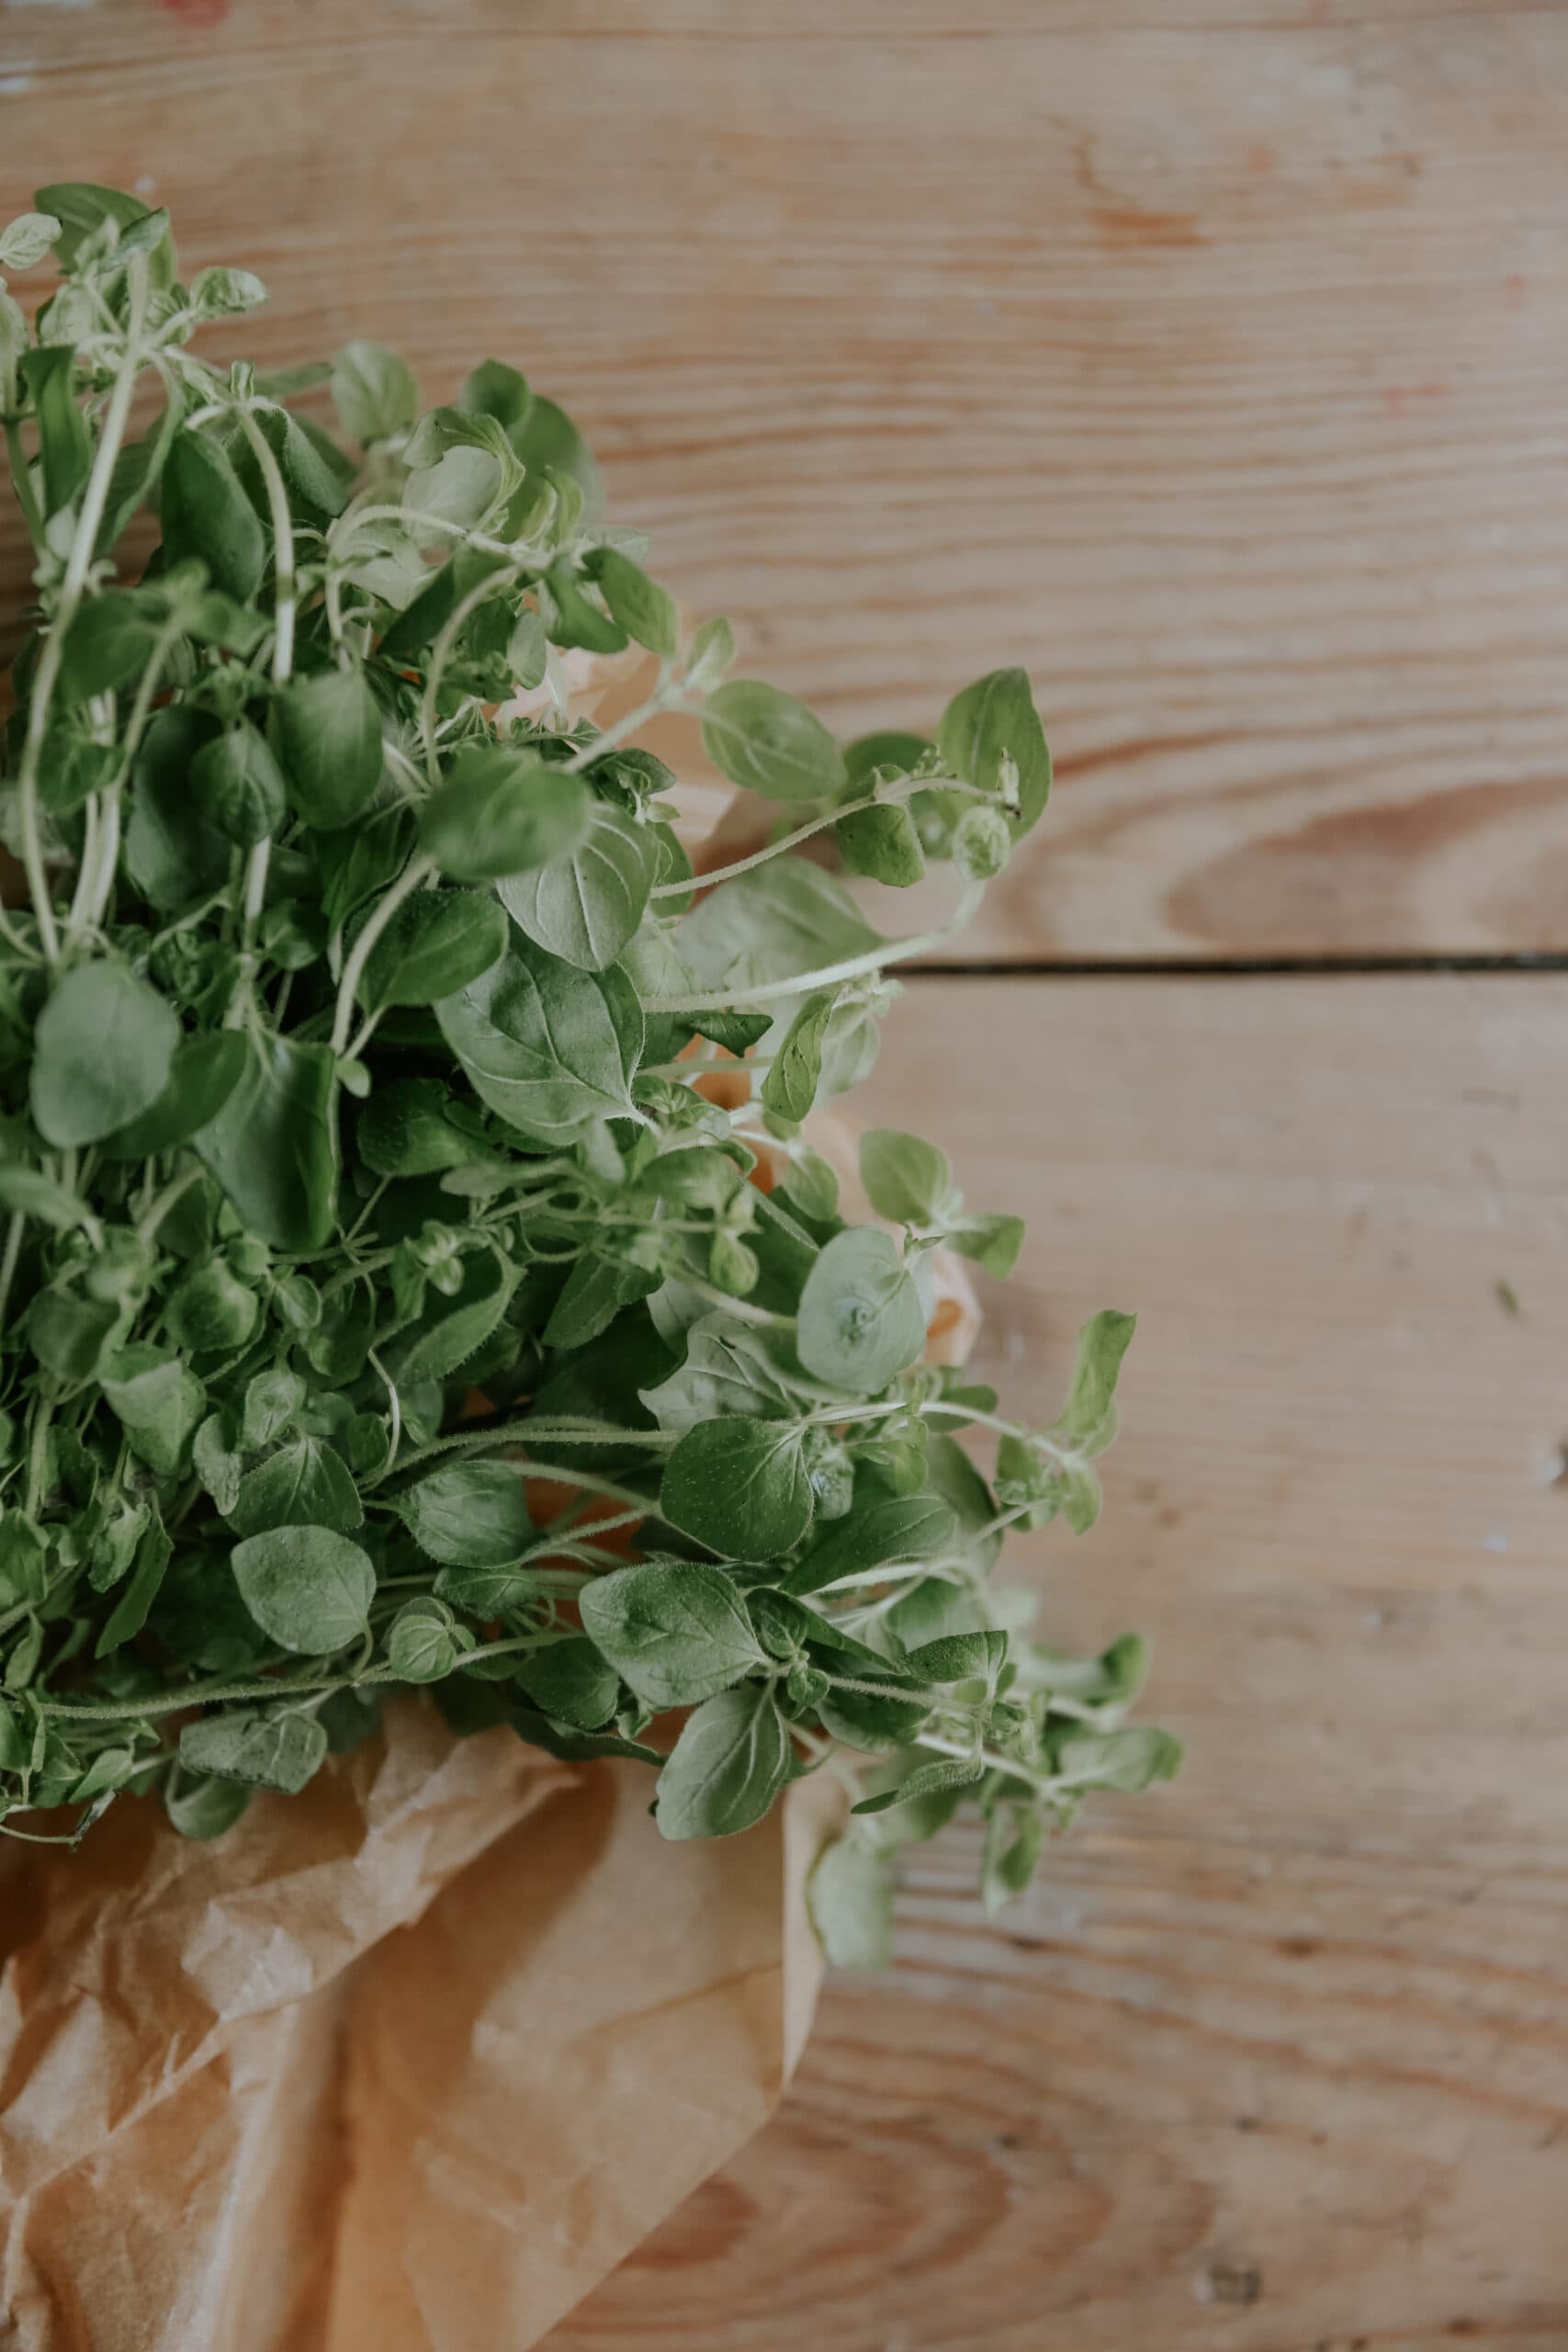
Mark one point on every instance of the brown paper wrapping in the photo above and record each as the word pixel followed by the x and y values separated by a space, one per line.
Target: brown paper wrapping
pixel 406 2064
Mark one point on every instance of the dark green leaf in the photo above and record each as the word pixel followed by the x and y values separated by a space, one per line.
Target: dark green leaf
pixel 676 1631
pixel 173 852
pixel 329 739
pixel 308 1589
pixel 305 1484
pixel 438 942
pixel 501 811
pixel 881 843
pixel 65 454
pixel 102 1053
pixel 279 1751
pixel 883 1530
pixel 549 1048
pixel 731 1761
pixel 242 785
pixel 789 1089
pixel 586 905
pixel 468 1514
pixel 571 1683
pixel 158 1403
pixel 202 1075
pixel 741 1486
pixel 273 1145
pixel 643 608
pixel 129 1613
pixel 206 515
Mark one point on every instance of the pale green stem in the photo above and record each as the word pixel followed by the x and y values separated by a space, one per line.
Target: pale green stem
pixel 173 1190
pixel 413 877
pixel 667 698
pixel 853 967
pixel 8 1259
pixel 440 653
pixel 111 434
pixel 893 797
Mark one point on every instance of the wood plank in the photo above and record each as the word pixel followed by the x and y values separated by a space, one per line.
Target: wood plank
pixel 1206 357
pixel 1277 2058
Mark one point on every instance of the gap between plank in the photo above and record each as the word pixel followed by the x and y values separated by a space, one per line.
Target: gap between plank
pixel 1241 968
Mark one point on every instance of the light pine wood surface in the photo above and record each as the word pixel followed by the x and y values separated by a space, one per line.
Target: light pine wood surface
pixel 1276 2059
pixel 1207 357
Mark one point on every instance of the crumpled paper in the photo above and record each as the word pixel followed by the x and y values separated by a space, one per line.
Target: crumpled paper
pixel 406 2064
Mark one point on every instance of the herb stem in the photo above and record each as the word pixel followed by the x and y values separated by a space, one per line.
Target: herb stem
pixel 418 872
pixel 852 967
pixel 22 480
pixel 111 434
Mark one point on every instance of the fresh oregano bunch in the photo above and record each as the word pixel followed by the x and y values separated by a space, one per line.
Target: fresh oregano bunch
pixel 373 1259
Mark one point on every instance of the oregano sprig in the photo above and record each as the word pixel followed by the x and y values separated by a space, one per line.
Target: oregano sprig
pixel 375 1267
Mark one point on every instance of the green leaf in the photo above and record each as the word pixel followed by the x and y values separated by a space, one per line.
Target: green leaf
pixel 109 641
pixel 1128 1760
pixel 881 1530
pixel 204 1072
pixel 211 1309
pixel 860 1322
pixel 65 454
pixel 571 1683
pixel 308 1589
pixel 102 1052
pixel 329 737
pixel 675 1631
pixel 740 1485
pixel 30 1192
pixel 926 1781
pixel 789 1089
pixel 468 1514
pixel 158 1403
pixel 777 921
pixel 173 850
pixel 850 1897
pixel 225 293
pixel 763 738
pixel 709 654
pixel 130 1613
pixel 993 1243
pixel 501 811
pixel 1102 1343
pixel 550 1049
pixel 730 1367
pixel 642 607
pixel 574 1747
pixel 731 1761
pixel 202 1810
pixel 279 1751
pixel 905 1179
pixel 205 515
pixel 25 241
pixel 585 905
pixel 242 785
pixel 422 1642
pixel 80 207
pixel 305 1484
pixel 273 1145
pixel 444 1342
pixel 416 1126
pixel 67 1333
pixel 316 474
pixel 438 942
pixel 1015 1839
pixel 272 1400
pixel 882 844
pixel 374 392
pixel 990 735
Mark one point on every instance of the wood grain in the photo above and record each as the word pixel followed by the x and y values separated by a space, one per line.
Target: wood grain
pixel 1276 2059
pixel 1207 357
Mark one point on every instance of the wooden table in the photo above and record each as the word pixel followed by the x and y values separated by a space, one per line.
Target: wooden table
pixel 1208 357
